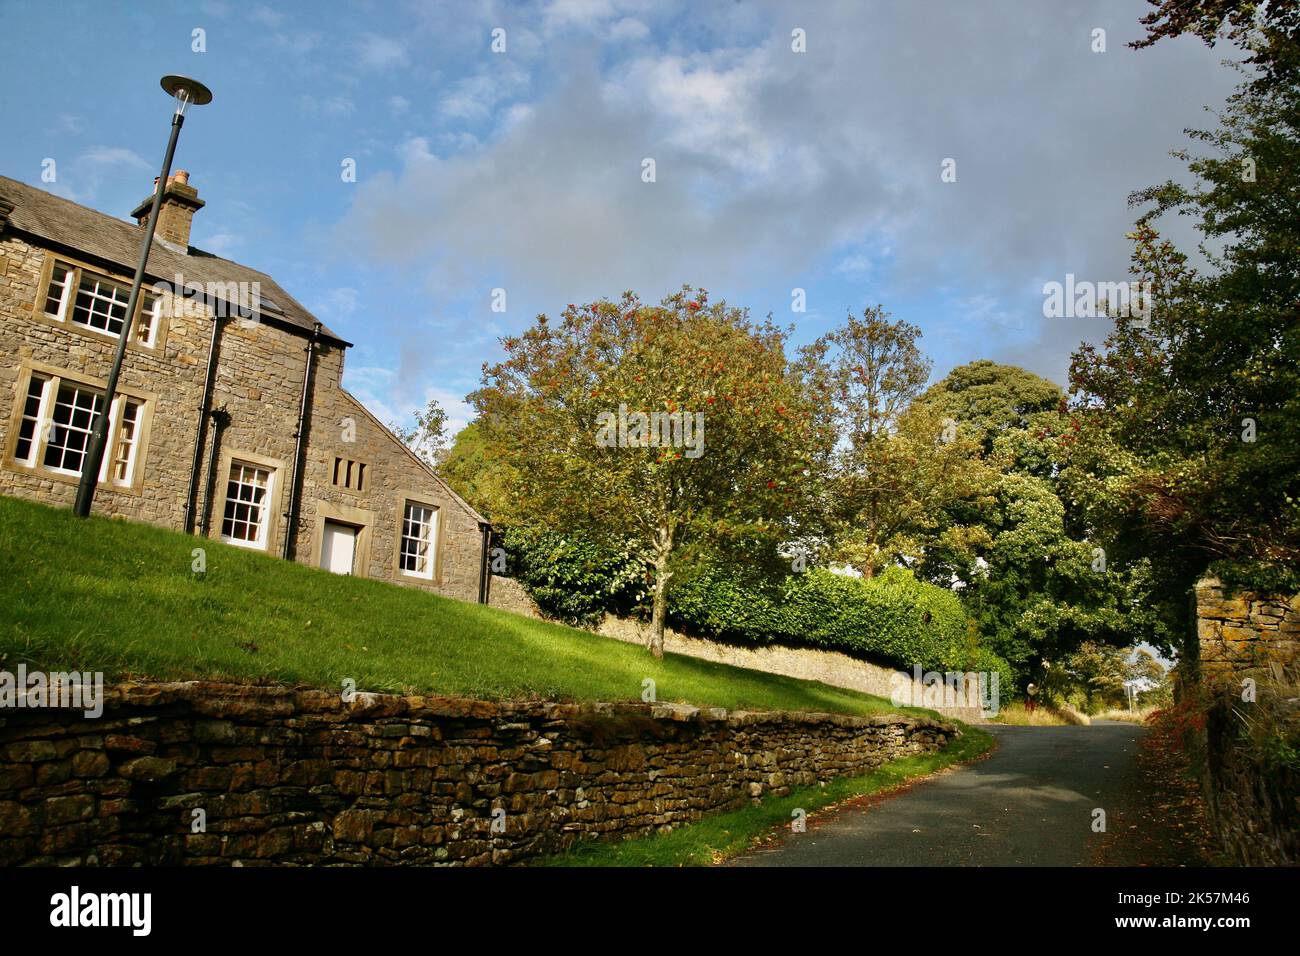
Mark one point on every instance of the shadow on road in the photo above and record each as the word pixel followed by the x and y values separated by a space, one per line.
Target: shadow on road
pixel 1034 802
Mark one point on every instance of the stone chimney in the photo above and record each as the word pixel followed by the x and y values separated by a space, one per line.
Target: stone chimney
pixel 180 201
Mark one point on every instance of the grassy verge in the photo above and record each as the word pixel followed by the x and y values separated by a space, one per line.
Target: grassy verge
pixel 121 598
pixel 1127 716
pixel 1042 716
pixel 716 838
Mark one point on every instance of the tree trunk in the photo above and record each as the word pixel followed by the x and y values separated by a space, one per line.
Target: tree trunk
pixel 663 548
pixel 657 618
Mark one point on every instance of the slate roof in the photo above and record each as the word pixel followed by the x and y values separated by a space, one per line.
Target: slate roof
pixel 46 216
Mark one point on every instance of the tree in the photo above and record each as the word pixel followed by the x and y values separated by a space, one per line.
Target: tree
pixel 1270 31
pixel 988 399
pixel 429 436
pixel 1029 570
pixel 728 461
pixel 1188 431
pixel 475 470
pixel 1098 671
pixel 895 466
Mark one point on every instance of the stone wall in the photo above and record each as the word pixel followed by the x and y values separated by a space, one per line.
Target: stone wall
pixel 1253 801
pixel 258 383
pixel 291 776
pixel 1244 633
pixel 804 663
pixel 509 595
pixel 1253 804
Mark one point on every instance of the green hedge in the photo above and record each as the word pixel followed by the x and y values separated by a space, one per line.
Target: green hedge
pixel 892 618
pixel 572 578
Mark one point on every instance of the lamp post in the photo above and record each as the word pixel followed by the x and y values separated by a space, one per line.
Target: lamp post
pixel 185 91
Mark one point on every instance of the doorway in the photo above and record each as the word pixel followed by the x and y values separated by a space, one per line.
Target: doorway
pixel 338 549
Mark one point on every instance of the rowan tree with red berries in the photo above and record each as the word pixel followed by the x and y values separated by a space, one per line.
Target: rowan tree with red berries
pixel 743 488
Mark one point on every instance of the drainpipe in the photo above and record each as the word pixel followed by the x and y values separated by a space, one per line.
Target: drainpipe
pixel 220 419
pixel 291 524
pixel 484 575
pixel 191 497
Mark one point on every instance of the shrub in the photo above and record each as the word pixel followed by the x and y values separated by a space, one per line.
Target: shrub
pixel 572 578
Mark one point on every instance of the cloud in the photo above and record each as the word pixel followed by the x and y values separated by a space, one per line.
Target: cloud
pixel 67 123
pixel 298 42
pixel 266 16
pixel 381 53
pixel 629 28
pixel 223 244
pixel 336 304
pixel 775 167
pixel 83 176
pixel 476 97
pixel 393 397
pixel 326 106
pixel 577 13
pixel 113 156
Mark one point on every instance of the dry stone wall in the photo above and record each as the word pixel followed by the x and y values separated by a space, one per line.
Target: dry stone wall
pixel 282 776
pixel 1254 802
pixel 1244 633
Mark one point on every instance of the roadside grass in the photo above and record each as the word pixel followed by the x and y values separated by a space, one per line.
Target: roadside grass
pixel 1043 715
pixel 714 839
pixel 1126 715
pixel 121 598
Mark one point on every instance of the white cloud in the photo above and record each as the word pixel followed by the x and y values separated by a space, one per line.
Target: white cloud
pixel 114 156
pixel 476 97
pixel 326 106
pixel 298 42
pixel 772 163
pixel 266 16
pixel 335 304
pixel 381 53
pixel 392 399
pixel 577 13
pixel 629 28
pixel 223 244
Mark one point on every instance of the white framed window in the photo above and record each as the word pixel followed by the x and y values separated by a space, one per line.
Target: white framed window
pixel 98 303
pixel 419 534
pixel 248 504
pixel 58 416
pixel 68 440
pixel 30 425
pixel 128 427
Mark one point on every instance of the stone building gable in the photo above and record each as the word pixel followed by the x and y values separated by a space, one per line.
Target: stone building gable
pixel 344 431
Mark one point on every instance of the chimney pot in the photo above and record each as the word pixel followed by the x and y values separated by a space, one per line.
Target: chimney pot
pixel 180 201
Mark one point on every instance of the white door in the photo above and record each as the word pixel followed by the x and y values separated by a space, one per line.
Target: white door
pixel 338 547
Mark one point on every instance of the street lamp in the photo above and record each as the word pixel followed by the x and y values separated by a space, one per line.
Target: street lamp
pixel 185 91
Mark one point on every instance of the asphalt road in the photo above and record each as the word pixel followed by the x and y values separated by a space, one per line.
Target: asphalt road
pixel 1029 804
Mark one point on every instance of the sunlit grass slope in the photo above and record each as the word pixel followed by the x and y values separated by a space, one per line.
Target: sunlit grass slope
pixel 120 597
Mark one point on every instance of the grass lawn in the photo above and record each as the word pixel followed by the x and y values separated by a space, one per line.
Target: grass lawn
pixel 716 838
pixel 120 597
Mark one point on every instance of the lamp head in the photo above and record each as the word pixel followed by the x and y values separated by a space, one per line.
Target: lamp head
pixel 186 91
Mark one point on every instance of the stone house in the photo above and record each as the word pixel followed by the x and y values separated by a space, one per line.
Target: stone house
pixel 224 370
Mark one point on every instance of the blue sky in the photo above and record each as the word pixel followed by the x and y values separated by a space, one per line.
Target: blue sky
pixel 522 170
